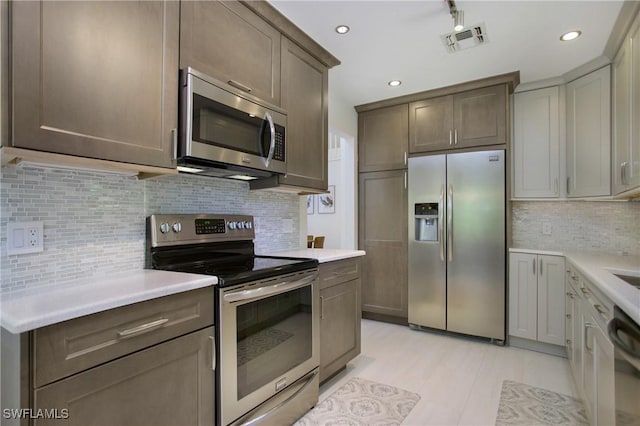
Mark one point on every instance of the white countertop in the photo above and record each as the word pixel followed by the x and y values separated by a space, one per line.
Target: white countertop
pixel 30 309
pixel 594 266
pixel 321 254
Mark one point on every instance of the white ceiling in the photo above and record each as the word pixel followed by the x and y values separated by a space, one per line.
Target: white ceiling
pixel 401 40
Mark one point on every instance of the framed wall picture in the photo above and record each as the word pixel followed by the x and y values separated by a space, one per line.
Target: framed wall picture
pixel 310 203
pixel 327 202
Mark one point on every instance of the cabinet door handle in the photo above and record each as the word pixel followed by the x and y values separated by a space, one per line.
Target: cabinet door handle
pixel 541 272
pixel 623 173
pixel 450 137
pixel 587 326
pixel 174 142
pixel 239 86
pixel 405 158
pixel 455 137
pixel 555 185
pixel 144 328
pixel 213 353
pixel 405 180
pixel 321 307
pixel 534 267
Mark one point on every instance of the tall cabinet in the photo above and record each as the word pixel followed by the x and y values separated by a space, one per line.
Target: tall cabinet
pixel 383 148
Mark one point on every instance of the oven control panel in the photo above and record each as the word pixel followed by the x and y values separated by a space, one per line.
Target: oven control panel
pixel 165 230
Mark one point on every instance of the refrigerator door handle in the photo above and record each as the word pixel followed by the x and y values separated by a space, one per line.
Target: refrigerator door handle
pixel 440 222
pixel 450 222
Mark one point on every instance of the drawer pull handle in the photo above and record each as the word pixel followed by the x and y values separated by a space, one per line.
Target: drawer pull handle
pixel 601 310
pixel 142 328
pixel 239 86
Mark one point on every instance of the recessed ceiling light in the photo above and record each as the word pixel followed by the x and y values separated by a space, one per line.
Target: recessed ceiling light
pixel 342 29
pixel 571 35
pixel 394 83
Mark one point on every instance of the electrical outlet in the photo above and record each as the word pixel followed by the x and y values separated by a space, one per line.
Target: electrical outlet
pixel 546 228
pixel 24 237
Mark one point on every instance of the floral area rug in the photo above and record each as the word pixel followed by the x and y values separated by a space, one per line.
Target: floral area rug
pixel 521 404
pixel 361 402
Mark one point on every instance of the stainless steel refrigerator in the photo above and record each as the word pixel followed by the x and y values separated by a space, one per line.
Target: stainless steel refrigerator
pixel 457 243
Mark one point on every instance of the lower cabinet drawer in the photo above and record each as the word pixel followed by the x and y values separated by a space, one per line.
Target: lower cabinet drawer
pixel 69 347
pixel 168 384
pixel 339 271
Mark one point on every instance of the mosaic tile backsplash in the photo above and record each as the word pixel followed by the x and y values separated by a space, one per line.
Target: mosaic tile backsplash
pixel 596 226
pixel 94 223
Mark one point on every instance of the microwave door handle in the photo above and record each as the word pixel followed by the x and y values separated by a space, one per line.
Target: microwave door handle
pixel 272 146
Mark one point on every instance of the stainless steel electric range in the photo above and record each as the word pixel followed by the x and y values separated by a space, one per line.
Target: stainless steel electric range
pixel 267 321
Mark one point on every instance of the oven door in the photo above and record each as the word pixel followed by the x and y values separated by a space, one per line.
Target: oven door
pixel 269 339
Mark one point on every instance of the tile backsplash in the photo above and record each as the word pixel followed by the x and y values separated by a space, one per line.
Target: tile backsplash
pixel 94 223
pixel 600 226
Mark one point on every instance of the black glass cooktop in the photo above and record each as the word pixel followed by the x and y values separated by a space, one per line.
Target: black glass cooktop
pixel 232 263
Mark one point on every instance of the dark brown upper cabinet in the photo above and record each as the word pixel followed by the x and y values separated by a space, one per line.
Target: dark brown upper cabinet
pixel 462 120
pixel 96 79
pixel 383 138
pixel 229 42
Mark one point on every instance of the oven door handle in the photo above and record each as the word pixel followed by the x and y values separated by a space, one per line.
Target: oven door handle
pixel 628 353
pixel 262 292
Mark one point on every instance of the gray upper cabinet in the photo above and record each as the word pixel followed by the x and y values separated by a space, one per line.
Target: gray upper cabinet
pixel 383 138
pixel 227 41
pixel 305 95
pixel 626 113
pixel 589 135
pixel 96 79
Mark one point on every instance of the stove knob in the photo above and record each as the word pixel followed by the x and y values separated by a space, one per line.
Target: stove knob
pixel 248 225
pixel 241 225
pixel 177 227
pixel 232 225
pixel 164 227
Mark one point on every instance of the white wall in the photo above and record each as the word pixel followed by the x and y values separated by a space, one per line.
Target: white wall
pixel 339 228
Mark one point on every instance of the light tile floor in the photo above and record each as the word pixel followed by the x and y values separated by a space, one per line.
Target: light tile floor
pixel 459 380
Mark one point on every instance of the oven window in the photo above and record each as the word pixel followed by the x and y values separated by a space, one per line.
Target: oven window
pixel 220 125
pixel 274 335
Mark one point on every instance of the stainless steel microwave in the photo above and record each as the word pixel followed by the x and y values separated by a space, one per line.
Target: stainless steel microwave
pixel 225 132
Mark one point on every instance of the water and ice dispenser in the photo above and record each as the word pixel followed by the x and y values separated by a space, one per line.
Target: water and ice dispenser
pixel 426 217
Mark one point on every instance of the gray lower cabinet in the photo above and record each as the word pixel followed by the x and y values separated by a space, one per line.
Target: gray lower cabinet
pixel 168 384
pixel 96 79
pixel 383 235
pixel 340 315
pixel 227 41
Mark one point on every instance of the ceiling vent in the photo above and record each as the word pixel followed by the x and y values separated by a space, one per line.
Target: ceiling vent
pixel 474 35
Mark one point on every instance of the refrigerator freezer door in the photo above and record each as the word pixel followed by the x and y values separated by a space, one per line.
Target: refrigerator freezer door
pixel 427 268
pixel 476 275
